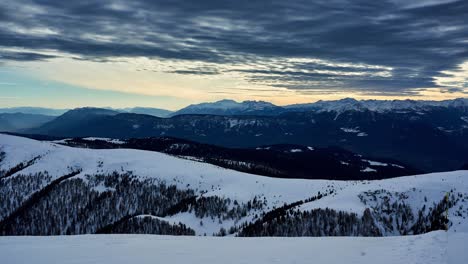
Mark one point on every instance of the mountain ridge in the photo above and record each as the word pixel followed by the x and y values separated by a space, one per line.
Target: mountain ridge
pixel 252 107
pixel 231 107
pixel 57 112
pixel 423 139
pixel 34 110
pixel 17 122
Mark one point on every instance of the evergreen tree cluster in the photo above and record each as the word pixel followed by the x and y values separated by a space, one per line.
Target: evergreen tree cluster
pixel 2 156
pixel 38 205
pixel 285 221
pixel 396 217
pixel 18 167
pixel 217 207
pixel 462 209
pixel 435 218
pixel 76 206
pixel 281 211
pixel 147 225
pixel 317 222
pixel 15 190
pixel 390 210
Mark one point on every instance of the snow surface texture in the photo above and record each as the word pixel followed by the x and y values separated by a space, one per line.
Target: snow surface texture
pixel 211 180
pixel 435 247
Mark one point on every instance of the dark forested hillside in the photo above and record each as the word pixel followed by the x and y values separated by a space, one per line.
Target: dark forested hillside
pixel 282 161
pixel 16 122
pixel 431 140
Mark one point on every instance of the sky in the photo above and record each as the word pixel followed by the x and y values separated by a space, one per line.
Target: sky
pixel 171 53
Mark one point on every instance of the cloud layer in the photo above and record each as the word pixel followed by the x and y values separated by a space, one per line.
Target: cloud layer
pixel 376 47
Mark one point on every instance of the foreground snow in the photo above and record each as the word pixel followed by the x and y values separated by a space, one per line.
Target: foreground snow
pixel 436 247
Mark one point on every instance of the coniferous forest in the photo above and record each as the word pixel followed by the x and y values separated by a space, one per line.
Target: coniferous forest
pixel 122 202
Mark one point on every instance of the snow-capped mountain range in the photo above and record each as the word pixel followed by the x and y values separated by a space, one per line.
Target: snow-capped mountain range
pixel 231 107
pixel 350 104
pixel 427 135
pixel 251 107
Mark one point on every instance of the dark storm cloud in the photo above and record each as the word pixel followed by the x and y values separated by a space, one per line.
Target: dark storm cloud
pixel 453 90
pixel 412 43
pixel 24 56
pixel 195 72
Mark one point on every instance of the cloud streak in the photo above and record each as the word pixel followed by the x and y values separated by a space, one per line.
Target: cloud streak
pixel 375 47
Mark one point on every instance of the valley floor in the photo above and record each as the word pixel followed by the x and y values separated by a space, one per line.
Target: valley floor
pixel 435 247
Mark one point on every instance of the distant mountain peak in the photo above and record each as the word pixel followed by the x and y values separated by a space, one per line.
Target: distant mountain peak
pixel 228 107
pixel 147 111
pixel 348 100
pixel 34 110
pixel 226 101
pixel 91 111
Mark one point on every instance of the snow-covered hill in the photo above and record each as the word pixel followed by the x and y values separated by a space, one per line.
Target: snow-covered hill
pixel 156 187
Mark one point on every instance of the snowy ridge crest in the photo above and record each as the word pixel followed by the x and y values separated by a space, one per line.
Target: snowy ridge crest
pixel 350 104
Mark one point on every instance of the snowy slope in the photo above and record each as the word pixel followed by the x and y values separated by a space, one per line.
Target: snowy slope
pixel 436 247
pixel 209 180
pixel 59 160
